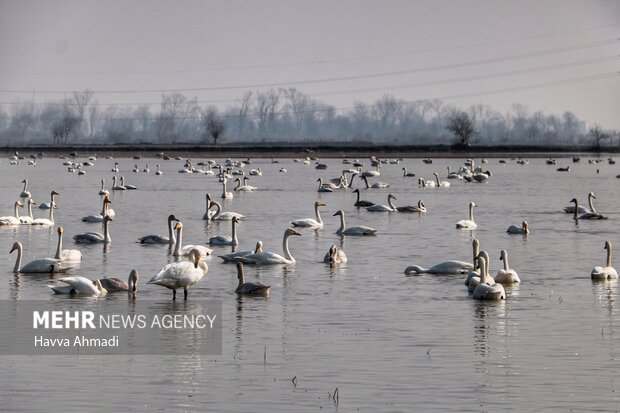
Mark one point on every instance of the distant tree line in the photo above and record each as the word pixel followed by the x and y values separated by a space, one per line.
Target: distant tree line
pixel 288 115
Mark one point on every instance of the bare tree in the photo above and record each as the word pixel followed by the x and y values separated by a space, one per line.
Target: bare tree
pixel 387 110
pixel 462 126
pixel 62 129
pixel 297 102
pixel 93 119
pixel 213 125
pixel 242 113
pixel 598 135
pixel 22 118
pixel 81 100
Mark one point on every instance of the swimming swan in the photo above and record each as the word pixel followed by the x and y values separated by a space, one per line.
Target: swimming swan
pixel 224 216
pixel 516 229
pixel 335 256
pixel 52 202
pixel 440 184
pixel 271 258
pixel 232 257
pixel 608 272
pixel 48 222
pixel 115 285
pixel 161 239
pixel 421 208
pixel 256 288
pixel 181 274
pixel 25 192
pixel 587 215
pixel 104 211
pixel 79 285
pixel 383 208
pixel 468 223
pixel 485 290
pixel 359 230
pixel 103 191
pixel 12 220
pixel 582 210
pixel 361 203
pixel 309 222
pixel 42 265
pixel 95 237
pixel 446 267
pixel 27 220
pixel 226 240
pixel 506 275
pixel 66 255
pixel 183 251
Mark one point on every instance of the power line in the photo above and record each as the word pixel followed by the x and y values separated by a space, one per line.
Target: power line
pixel 352 77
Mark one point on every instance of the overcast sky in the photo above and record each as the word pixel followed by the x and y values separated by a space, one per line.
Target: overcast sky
pixel 551 55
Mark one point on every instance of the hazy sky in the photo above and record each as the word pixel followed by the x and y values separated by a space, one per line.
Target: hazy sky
pixel 551 55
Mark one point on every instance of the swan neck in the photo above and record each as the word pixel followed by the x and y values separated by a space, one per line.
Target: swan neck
pixel 106 230
pixel 218 210
pixel 318 214
pixel 287 253
pixel 437 179
pixel 609 256
pixel 234 232
pixel 52 213
pixel 177 248
pixel 30 208
pixel 390 202
pixel 591 203
pixel 18 261
pixel 471 212
pixel 59 247
pixel 483 271
pixel 506 266
pixel 171 238
pixel 16 210
pixel 341 229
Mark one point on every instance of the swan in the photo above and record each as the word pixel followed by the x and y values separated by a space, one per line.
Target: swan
pixel 66 255
pixel 226 194
pixel 468 223
pixel 326 187
pixel 383 208
pixel 48 222
pixel 453 175
pixel 473 278
pixel 135 169
pixel 426 184
pixel 27 220
pixel 133 187
pixel 52 202
pixel 161 239
pixel 224 216
pixel 335 256
pixel 309 222
pixel 271 258
pixel 440 184
pixel 587 215
pixel 25 192
pixel 485 290
pixel 182 251
pixel 516 229
pixel 181 274
pixel 146 168
pixel 115 169
pixel 446 267
pixel 420 207
pixel 115 285
pixel 96 237
pixel 104 212
pixel 117 187
pixel 257 288
pixel 361 203
pixel 208 214
pixel 582 210
pixel 608 272
pixel 40 266
pixel 376 185
pixel 103 191
pixel 407 174
pixel 79 285
pixel 12 220
pixel 158 171
pixel 244 187
pixel 226 240
pixel 256 172
pixel 374 173
pixel 506 275
pixel 232 257
pixel 359 230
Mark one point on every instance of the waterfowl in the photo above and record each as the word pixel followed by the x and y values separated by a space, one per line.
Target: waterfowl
pixel 224 216
pixel 115 169
pixel 158 171
pixel 271 258
pixel 181 274
pixel 99 217
pixel 52 202
pixel 485 290
pixel 474 275
pixel 255 288
pixel 12 220
pixel 25 192
pixel 440 184
pixel 407 174
pixel 310 222
pixel 232 257
pixel 224 239
pixel 519 229
pixel 335 256
pixel 40 266
pixel 95 237
pixel 180 250
pixel 359 230
pixel 383 208
pixel 446 267
pixel 244 187
pixel 130 187
pixel 361 203
pixel 117 187
pixel 48 222
pixel 161 239
pixel 79 285
pixel 376 185
pixel 115 285
pixel 66 255
pixel 225 193
pixel 587 215
pixel 506 275
pixel 420 207
pixel 468 223
pixel 582 210
pixel 27 220
pixel 608 272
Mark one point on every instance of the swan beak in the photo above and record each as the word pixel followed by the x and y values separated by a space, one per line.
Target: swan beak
pixel 55 193
pixel 13 249
pixel 296 233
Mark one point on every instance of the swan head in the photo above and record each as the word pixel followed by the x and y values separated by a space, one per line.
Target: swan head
pixel 472 204
pixel 259 247
pixel 574 200
pixel 18 204
pixel 132 284
pixel 332 254
pixel 525 227
pixel 172 218
pixel 178 225
pixel 194 256
pixel 503 254
pixel 54 193
pixel 236 219
pixel 16 246
pixel 607 245
pixel 392 196
pixel 107 218
pixel 415 269
pixel 356 191
pixel 476 244
pixel 290 232
pixel 102 290
pixel 60 230
pixel 435 173
pixel 591 194
pixel 319 204
pixel 339 212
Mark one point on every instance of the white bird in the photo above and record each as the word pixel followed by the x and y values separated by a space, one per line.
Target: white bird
pixel 420 207
pixel 506 275
pixel 52 202
pixel 79 285
pixel 117 187
pixel 115 169
pixel 582 210
pixel 310 222
pixel 115 285
pixel 376 185
pixel 161 239
pixel 473 278
pixel 519 229
pixel 223 216
pixel 66 255
pixel 104 212
pixel 226 240
pixel 271 258
pixel 407 174
pixel 255 288
pixel 25 192
pixel 158 171
pixel 334 256
pixel 12 220
pixel 453 175
pixel 587 215
pixel 27 220
pixel 359 230
pixel 440 184
pixel 383 208
pixel 183 251
pixel 244 187
pixel 468 223
pixel 327 186
pixel 256 172
pixel 608 272
pixel 96 237
pixel 48 222
pixel 146 168
pixel 135 169
pixel 446 267
pixel 181 274
pixel 42 265
pixel 423 183
pixel 485 290
pixel 232 257
pixel 225 193
pixel 208 214
pixel 132 187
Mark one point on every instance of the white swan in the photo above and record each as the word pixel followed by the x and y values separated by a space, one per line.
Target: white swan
pixel 52 202
pixel 232 257
pixel 208 214
pixel 256 172
pixel 420 207
pixel 423 183
pixel 310 222
pixel 335 256
pixel 440 184
pixel 115 169
pixel 327 186
pixel 27 220
pixel 582 210
pixel 485 290
pixel 117 187
pixel 99 217
pixel 407 174
pixel 383 208
pixel 453 175
pixel 161 239
pixel 66 255
pixel 473 278
pixel 12 220
pixel 42 265
pixel 181 274
pixel 359 230
pixel 48 222
pixel 158 171
pixel 131 187
pixel 271 258
pixel 608 272
pixel 103 191
pixel 25 192
pixel 135 169
pixel 519 229
pixel 506 275
pixel 446 267
pixel 587 215
pixel 226 240
pixel 361 203
pixel 244 187
pixel 96 237
pixel 468 223
pixel 255 288
pixel 146 169
pixel 115 285
pixel 183 251
pixel 79 285
pixel 224 216
pixel 376 185
pixel 225 193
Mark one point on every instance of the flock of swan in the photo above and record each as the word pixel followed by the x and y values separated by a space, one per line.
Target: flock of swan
pixel 190 266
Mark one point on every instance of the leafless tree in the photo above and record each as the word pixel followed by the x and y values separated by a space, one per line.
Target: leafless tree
pixel 462 126
pixel 297 103
pixel 598 135
pixel 213 125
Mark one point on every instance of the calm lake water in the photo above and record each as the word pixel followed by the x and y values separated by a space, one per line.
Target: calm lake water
pixel 388 342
